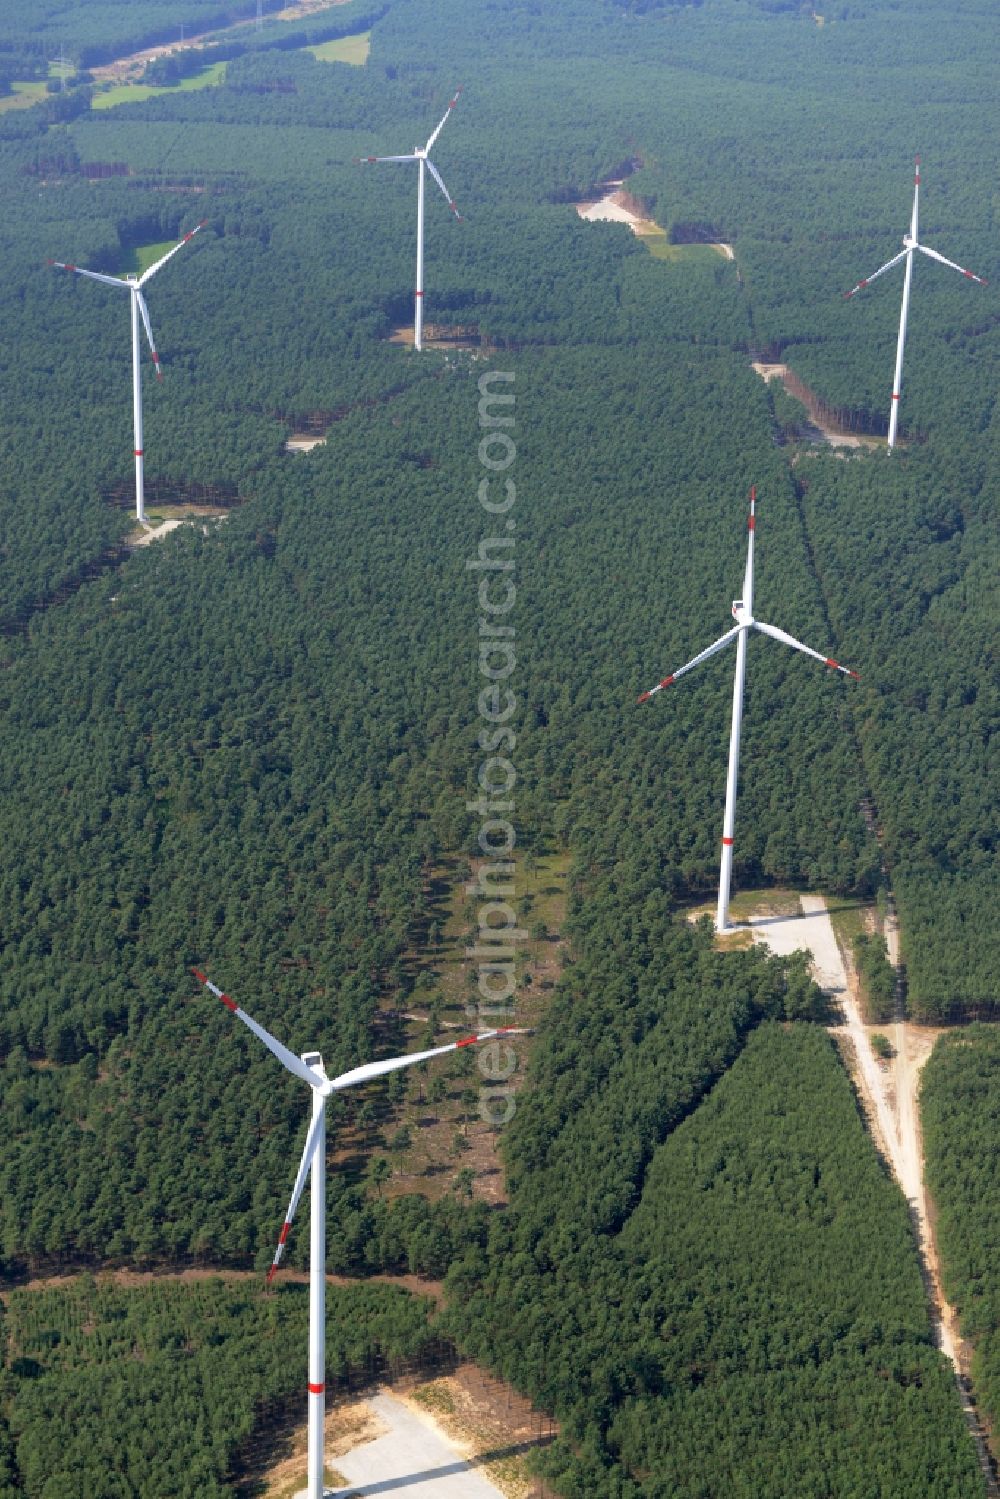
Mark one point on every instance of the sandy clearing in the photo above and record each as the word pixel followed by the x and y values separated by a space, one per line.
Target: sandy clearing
pixel 155 533
pixel 301 442
pixel 836 436
pixel 612 210
pixel 415 1458
pixel 607 210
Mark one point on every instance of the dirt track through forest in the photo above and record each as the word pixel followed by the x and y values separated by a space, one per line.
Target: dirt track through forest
pixel 119 70
pixel 890 1098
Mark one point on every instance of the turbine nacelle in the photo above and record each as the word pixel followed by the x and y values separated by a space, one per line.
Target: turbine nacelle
pixel 742 614
pixel 909 242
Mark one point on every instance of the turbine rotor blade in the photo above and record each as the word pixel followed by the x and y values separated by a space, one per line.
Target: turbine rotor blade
pixel 926 250
pixel 301 1177
pixel 440 182
pixel 152 270
pixel 875 274
pixel 393 1064
pixel 797 645
pixel 371 160
pixel 288 1058
pixel 718 645
pixel 144 313
pixel 444 119
pixel 61 265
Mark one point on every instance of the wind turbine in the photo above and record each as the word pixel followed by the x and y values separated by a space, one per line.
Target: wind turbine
pixel 421 155
pixel 309 1068
pixel 910 243
pixel 134 285
pixel 745 622
pixel 62 62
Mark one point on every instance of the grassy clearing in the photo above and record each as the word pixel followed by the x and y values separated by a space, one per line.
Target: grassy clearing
pixel 352 49
pixel 849 917
pixel 660 248
pixel 134 93
pixel 135 259
pixel 23 97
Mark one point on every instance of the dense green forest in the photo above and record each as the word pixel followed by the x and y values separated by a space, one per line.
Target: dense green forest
pixel 743 1313
pixel 168 1389
pixel 960 1116
pixel 251 744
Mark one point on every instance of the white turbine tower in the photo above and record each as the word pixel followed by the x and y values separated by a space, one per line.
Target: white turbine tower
pixel 309 1068
pixel 134 285
pixel 421 155
pixel 910 243
pixel 743 614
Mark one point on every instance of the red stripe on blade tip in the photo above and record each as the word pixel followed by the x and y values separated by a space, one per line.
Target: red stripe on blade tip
pixel 230 1004
pixel 667 681
pixel 643 697
pixel 284 1233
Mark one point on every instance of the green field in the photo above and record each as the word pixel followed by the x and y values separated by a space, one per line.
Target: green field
pixel 24 95
pixel 134 93
pixel 135 259
pixel 660 247
pixel 352 49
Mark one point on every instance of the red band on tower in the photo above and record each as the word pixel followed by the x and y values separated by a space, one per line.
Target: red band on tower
pixel 728 842
pixel 316 1389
